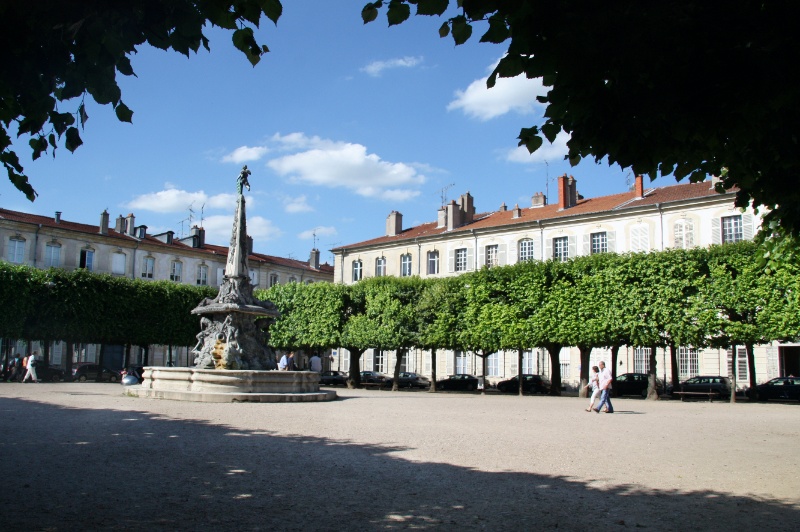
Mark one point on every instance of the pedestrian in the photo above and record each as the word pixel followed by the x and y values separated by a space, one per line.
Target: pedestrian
pixel 31 368
pixel 283 363
pixel 594 385
pixel 16 368
pixel 316 363
pixel 605 389
pixel 290 363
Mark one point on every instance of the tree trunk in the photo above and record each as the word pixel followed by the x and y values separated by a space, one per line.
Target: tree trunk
pixel 519 370
pixel 397 362
pixel 101 361
pixel 586 353
pixel 127 360
pixel 146 361
pixel 70 358
pixel 673 360
pixel 354 377
pixel 652 389
pixel 733 373
pixel 46 354
pixel 433 371
pixel 614 356
pixel 555 364
pixel 483 373
pixel 751 365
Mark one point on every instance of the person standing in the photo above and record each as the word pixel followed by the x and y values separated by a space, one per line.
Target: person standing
pixel 31 369
pixel 605 389
pixel 594 385
pixel 290 362
pixel 283 363
pixel 316 363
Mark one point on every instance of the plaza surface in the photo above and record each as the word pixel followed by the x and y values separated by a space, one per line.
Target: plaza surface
pixel 81 456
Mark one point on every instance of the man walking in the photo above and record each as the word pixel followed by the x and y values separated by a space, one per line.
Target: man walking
pixel 31 368
pixel 605 389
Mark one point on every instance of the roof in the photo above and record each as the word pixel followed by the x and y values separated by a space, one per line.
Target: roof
pixel 586 206
pixel 176 246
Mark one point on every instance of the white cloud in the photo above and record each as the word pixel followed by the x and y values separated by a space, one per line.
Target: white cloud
pixel 177 200
pixel 547 152
pixel 244 154
pixel 376 68
pixel 318 232
pixel 295 205
pixel 333 164
pixel 218 228
pixel 516 94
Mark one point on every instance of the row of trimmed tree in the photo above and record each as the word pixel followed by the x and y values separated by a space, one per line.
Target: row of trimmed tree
pixel 715 297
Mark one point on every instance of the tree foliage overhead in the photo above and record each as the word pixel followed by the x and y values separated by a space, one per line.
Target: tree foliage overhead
pixel 57 53
pixel 672 87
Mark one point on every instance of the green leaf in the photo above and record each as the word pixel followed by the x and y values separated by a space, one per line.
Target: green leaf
pixel 398 12
pixel 432 7
pixel 462 30
pixel 38 145
pixel 124 114
pixel 551 131
pixel 370 12
pixel 529 137
pixel 444 29
pixel 124 66
pixel 273 9
pixel 498 30
pixel 82 115
pixel 73 139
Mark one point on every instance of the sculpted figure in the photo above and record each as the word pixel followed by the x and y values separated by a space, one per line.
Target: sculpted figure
pixel 242 181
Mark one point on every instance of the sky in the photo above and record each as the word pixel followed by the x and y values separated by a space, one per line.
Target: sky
pixel 340 124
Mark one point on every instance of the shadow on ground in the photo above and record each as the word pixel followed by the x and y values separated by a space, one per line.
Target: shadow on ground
pixel 74 469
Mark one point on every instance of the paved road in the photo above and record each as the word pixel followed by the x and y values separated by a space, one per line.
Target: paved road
pixel 80 456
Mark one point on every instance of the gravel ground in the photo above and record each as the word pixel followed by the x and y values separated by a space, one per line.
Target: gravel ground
pixel 81 456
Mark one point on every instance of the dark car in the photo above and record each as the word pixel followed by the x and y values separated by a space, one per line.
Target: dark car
pixel 786 388
pixel 50 373
pixel 333 378
pixel 93 372
pixel 408 379
pixel 461 381
pixel 634 384
pixel 530 384
pixel 717 384
pixel 372 377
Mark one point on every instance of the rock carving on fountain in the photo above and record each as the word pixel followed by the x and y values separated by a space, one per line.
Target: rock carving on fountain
pixel 234 325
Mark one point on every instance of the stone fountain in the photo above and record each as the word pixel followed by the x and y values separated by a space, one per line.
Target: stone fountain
pixel 233 361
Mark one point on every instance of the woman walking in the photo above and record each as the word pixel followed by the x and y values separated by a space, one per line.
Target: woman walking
pixel 594 384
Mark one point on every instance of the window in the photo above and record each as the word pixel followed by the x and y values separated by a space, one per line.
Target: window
pixel 52 255
pixel 176 271
pixel 526 250
pixel 356 270
pixel 491 255
pixel 561 248
pixel 599 243
pixel 493 365
pixel 688 362
pixel 528 362
pixel 462 362
pixel 378 361
pixel 564 362
pixel 254 277
pixel 148 265
pixel 641 360
pixel 684 234
pixel 732 229
pixel 86 259
pixel 16 250
pixel 404 362
pixel 273 279
pixel 118 263
pixel 405 265
pixel 640 238
pixel 380 266
pixel 741 363
pixel 293 279
pixel 461 260
pixel 433 262
pixel 202 275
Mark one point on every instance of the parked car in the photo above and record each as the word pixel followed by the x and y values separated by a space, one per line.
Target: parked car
pixel 407 379
pixel 50 373
pixel 634 384
pixel 373 377
pixel 93 372
pixel 779 388
pixel 705 383
pixel 333 378
pixel 530 384
pixel 461 381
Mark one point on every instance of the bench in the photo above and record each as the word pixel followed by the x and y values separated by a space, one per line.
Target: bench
pixel 711 395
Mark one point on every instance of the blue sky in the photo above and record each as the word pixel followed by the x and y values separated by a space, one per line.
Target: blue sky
pixel 340 124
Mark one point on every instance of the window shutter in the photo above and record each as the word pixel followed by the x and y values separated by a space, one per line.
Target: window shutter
pixel 548 249
pixel 747 227
pixel 501 254
pixel 470 259
pixel 451 261
pixel 537 253
pixel 678 240
pixel 688 233
pixel 612 241
pixel 572 249
pixel 450 359
pixel 716 231
pixel 587 244
pixel 512 256
pixel 481 257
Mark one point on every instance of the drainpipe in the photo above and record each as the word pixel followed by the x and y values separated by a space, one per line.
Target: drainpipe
pixel 419 257
pixel 660 225
pixel 475 253
pixel 36 244
pixel 541 239
pixel 133 261
pixel 341 272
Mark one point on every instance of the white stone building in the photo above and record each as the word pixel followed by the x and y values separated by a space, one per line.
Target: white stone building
pixel 460 240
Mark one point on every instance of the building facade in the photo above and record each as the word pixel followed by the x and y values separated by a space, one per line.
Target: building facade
pixel 643 219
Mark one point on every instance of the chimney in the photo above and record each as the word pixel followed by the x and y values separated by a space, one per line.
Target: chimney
pixel 638 187
pixel 130 222
pixel 120 225
pixel 249 245
pixel 441 217
pixel 104 222
pixel 198 237
pixel 313 260
pixel 563 193
pixel 467 208
pixel 58 217
pixel 503 207
pixel 516 211
pixel 573 191
pixel 394 224
pixel 538 200
pixel 453 216
pixel 170 235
